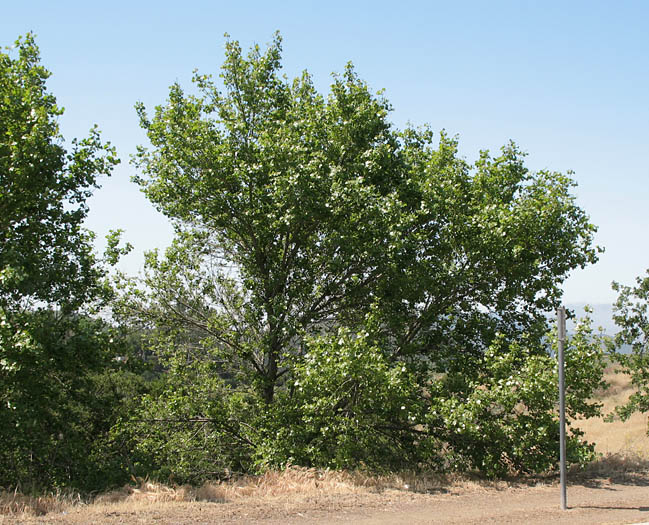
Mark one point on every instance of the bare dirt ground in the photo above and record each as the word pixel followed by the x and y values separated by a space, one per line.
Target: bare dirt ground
pixel 600 502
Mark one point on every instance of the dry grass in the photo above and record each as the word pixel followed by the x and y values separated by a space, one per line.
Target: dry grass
pixel 15 503
pixel 624 445
pixel 628 438
pixel 619 466
pixel 292 483
pixel 294 486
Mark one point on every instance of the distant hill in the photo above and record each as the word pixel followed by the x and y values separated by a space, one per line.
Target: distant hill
pixel 602 316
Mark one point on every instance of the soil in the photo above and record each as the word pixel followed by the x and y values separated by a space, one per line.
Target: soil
pixel 590 501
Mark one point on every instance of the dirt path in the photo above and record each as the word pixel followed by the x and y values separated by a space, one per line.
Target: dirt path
pixel 605 503
pixel 596 501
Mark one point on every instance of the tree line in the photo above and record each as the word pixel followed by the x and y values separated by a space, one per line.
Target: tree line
pixel 338 293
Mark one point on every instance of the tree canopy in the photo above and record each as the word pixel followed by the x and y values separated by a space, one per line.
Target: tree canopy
pixel 300 214
pixel 45 254
pixel 339 293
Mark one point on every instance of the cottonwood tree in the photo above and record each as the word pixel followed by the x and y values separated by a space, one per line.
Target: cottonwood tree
pixel 298 214
pixel 293 190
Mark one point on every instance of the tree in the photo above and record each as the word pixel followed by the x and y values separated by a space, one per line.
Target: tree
pixel 52 351
pixel 298 214
pixel 271 177
pixel 631 315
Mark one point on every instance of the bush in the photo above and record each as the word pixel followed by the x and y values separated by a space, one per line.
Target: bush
pixel 62 391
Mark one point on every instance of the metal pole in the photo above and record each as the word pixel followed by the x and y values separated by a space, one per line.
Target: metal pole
pixel 561 318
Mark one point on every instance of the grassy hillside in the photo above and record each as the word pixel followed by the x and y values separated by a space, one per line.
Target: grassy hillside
pixel 619 436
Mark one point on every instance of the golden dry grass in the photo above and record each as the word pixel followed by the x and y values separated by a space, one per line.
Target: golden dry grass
pixel 293 486
pixel 292 483
pixel 619 437
pixel 15 503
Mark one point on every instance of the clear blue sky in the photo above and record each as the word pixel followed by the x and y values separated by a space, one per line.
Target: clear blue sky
pixel 568 81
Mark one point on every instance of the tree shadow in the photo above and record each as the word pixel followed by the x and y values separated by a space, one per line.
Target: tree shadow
pixel 626 468
pixel 638 479
pixel 610 507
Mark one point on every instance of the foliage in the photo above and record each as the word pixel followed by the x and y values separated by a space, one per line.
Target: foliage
pixel 306 221
pixel 190 427
pixel 349 405
pixel 631 314
pixel 61 393
pixel 45 255
pixel 339 293
pixel 60 387
pixel 271 177
pixel 352 406
pixel 500 415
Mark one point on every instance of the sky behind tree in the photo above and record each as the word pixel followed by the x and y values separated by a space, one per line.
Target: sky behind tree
pixel 568 82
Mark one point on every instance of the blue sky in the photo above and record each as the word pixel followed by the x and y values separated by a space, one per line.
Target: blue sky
pixel 568 81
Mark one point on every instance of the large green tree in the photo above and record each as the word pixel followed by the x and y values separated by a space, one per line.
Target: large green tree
pixel 298 214
pixel 293 191
pixel 56 398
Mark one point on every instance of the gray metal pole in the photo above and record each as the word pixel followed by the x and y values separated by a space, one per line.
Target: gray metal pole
pixel 561 318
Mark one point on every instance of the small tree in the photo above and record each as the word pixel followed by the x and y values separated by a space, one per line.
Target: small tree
pixel 631 315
